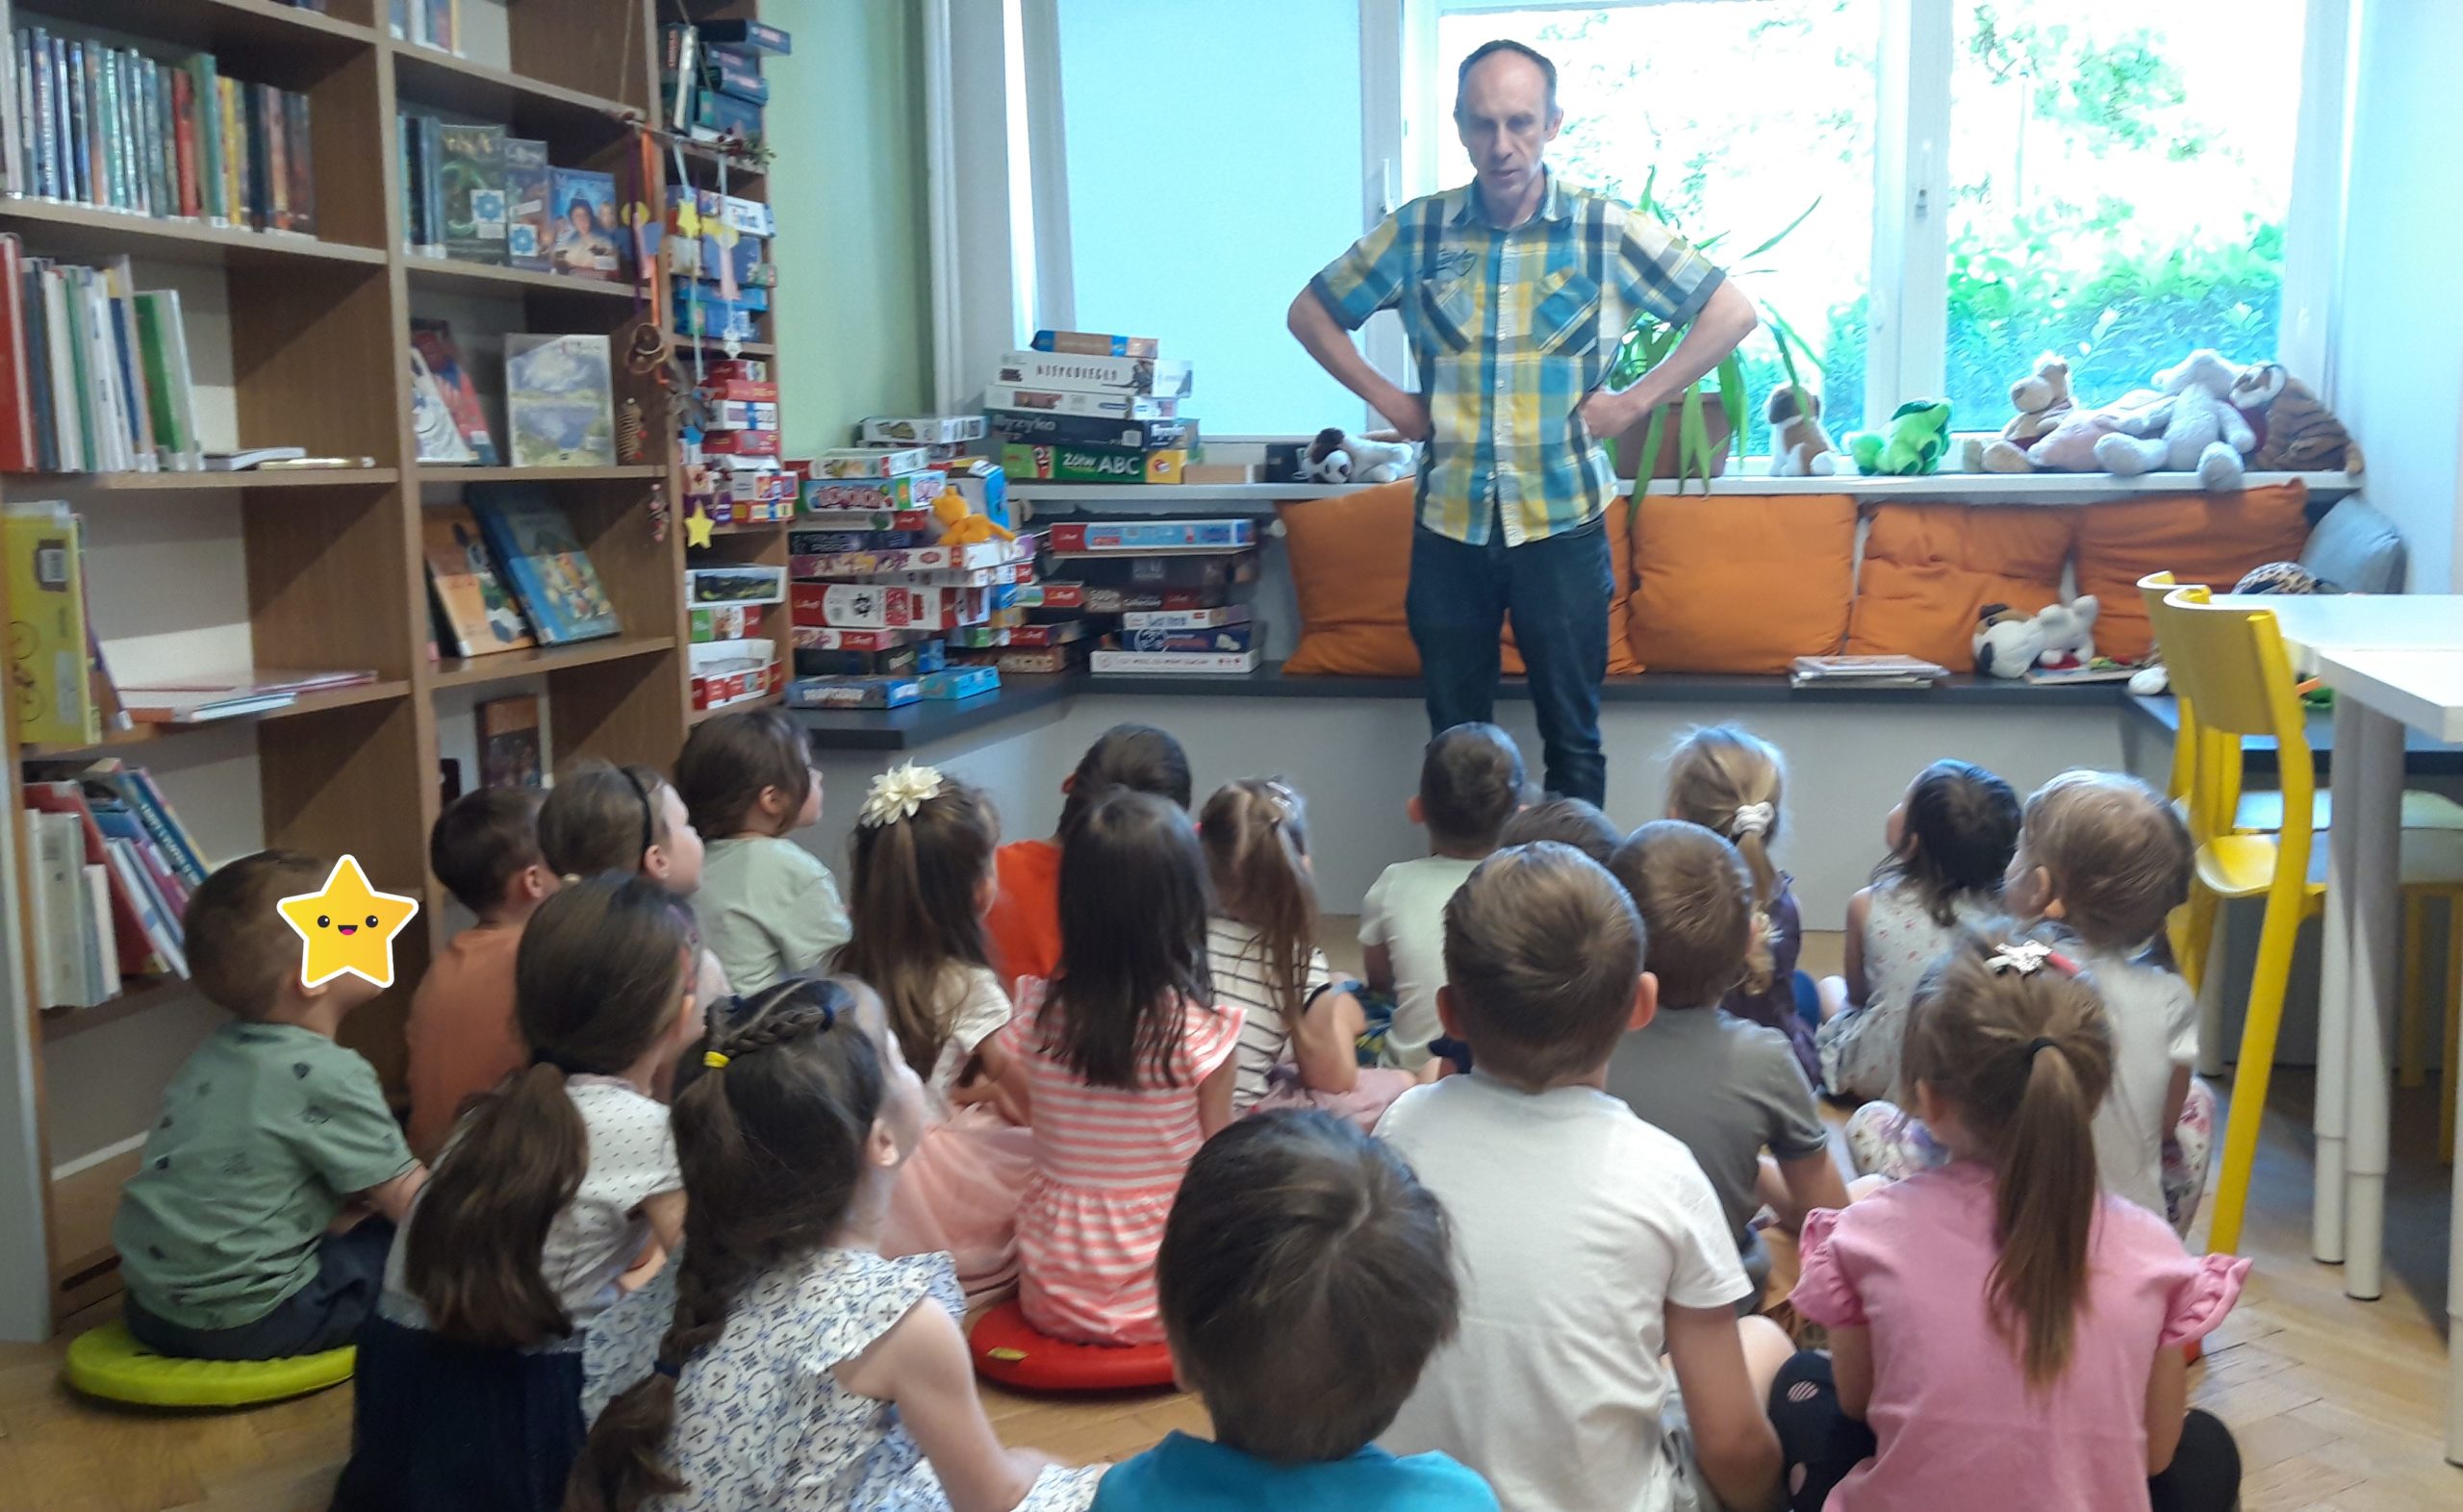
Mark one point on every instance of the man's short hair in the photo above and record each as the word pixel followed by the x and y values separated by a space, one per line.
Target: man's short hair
pixel 240 948
pixel 1543 952
pixel 482 841
pixel 1305 1278
pixel 1471 780
pixel 1487 50
pixel 1695 899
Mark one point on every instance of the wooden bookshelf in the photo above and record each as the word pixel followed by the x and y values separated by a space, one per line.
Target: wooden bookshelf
pixel 318 357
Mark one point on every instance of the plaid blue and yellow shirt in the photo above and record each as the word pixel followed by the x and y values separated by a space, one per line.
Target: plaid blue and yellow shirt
pixel 1510 330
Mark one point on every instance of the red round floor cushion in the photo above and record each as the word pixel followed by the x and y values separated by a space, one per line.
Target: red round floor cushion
pixel 1007 1350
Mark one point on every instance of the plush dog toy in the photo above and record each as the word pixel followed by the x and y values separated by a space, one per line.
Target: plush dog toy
pixel 2070 446
pixel 2057 636
pixel 2296 431
pixel 2192 429
pixel 1913 446
pixel 1336 456
pixel 1799 446
pixel 961 526
pixel 2069 634
pixel 2043 401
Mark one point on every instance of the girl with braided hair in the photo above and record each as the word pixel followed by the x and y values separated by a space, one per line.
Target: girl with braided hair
pixel 781 1362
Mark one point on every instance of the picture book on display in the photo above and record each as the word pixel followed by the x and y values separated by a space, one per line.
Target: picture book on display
pixel 584 235
pixel 534 546
pixel 529 228
pixel 475 613
pixel 470 175
pixel 559 401
pixel 510 754
pixel 433 340
pixel 433 427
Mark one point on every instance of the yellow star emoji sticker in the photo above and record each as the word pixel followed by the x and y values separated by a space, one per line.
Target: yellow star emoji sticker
pixel 347 926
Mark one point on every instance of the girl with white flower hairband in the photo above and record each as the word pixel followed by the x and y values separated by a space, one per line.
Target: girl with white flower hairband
pixel 920 883
pixel 1731 782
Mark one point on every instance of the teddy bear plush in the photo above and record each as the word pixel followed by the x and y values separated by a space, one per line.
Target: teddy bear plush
pixel 1336 456
pixel 2070 446
pixel 2296 431
pixel 961 526
pixel 1799 446
pixel 2043 401
pixel 2192 429
pixel 2057 638
pixel 1912 447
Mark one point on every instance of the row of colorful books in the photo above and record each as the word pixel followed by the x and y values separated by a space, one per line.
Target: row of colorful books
pixel 506 572
pixel 1087 407
pixel 559 401
pixel 480 194
pixel 110 871
pixel 93 371
pixel 711 87
pixel 119 129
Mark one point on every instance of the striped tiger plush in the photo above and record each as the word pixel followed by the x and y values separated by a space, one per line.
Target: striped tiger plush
pixel 2297 433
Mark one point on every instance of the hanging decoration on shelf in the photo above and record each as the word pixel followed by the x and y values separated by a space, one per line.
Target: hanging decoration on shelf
pixel 697 523
pixel 632 434
pixel 658 514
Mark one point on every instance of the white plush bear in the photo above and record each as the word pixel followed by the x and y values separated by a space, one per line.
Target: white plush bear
pixel 1336 456
pixel 2069 634
pixel 2057 636
pixel 2193 428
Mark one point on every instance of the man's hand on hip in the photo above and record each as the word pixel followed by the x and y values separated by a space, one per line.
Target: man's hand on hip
pixel 1408 413
pixel 1605 414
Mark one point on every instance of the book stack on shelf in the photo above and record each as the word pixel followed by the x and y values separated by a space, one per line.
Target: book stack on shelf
pixel 93 371
pixel 879 595
pixel 505 573
pixel 1083 407
pixel 1156 596
pixel 478 193
pixel 162 134
pixel 111 868
pixel 711 87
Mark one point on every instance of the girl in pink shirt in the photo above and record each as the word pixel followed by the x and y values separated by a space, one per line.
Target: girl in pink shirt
pixel 2000 1325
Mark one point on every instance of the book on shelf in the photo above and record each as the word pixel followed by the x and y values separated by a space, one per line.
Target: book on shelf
pixel 1096 343
pixel 559 400
pixel 93 372
pixel 434 430
pixel 433 341
pixel 475 613
pixel 134 788
pixel 2099 670
pixel 1865 672
pixel 529 228
pixel 1151 377
pixel 119 129
pixel 256 459
pixel 585 238
pixel 200 697
pixel 54 659
pixel 420 142
pixel 142 937
pixel 535 547
pixel 471 176
pixel 510 754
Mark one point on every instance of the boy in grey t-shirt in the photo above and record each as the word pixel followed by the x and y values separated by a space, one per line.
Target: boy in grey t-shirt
pixel 1727 1088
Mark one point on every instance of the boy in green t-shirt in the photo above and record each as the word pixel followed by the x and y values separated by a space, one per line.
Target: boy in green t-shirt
pixel 246 1233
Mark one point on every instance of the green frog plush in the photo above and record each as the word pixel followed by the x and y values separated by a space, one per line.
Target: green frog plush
pixel 1919 437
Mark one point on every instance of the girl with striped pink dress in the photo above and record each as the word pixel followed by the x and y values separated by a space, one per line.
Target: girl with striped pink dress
pixel 1128 1068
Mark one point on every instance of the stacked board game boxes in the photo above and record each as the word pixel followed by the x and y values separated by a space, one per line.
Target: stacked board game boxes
pixel 874 594
pixel 1130 596
pixel 715 249
pixel 711 87
pixel 1082 407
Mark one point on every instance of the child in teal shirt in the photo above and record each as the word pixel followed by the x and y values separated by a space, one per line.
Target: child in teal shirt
pixel 1305 1279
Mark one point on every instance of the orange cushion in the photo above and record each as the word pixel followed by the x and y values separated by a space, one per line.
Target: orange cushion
pixel 1929 568
pixel 1742 584
pixel 1351 566
pixel 1007 1350
pixel 2198 538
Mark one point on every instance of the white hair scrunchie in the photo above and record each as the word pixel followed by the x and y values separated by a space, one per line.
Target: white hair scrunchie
pixel 898 792
pixel 1753 819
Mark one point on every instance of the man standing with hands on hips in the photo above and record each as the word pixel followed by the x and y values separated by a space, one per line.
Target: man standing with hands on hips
pixel 1514 291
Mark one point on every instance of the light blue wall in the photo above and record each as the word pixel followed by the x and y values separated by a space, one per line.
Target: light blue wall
pixel 1214 165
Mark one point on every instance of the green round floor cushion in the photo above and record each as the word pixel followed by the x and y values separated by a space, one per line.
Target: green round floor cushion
pixel 106 1362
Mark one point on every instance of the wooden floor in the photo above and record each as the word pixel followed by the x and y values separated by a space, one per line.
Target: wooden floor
pixel 2337 1405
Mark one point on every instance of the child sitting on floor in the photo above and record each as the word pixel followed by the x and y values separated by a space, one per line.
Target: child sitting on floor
pixel 460 1033
pixel 1130 1066
pixel 469 1380
pixel 1300 1026
pixel 768 907
pixel 1024 927
pixel 921 881
pixel 1569 821
pixel 2010 1333
pixel 1950 840
pixel 781 1361
pixel 233 1236
pixel 1727 1086
pixel 1302 1264
pixel 2103 856
pixel 1594 1256
pixel 629 821
pixel 1729 782
pixel 1470 784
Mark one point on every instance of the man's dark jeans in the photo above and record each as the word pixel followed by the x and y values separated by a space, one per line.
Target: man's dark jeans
pixel 1558 591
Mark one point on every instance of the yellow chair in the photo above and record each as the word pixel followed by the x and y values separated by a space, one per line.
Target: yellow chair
pixel 2230 665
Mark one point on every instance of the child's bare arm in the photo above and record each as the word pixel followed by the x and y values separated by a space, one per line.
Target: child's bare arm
pixel 1377 964
pixel 1860 908
pixel 392 1198
pixel 1851 1366
pixel 1811 1182
pixel 666 1211
pixel 922 1365
pixel 2168 1402
pixel 1732 1434
pixel 1214 1097
pixel 1325 1043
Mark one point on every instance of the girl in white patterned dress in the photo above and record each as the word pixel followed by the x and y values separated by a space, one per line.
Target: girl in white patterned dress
pixel 780 1363
pixel 1950 840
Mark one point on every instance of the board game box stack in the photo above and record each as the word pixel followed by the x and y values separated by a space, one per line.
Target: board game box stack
pixel 874 592
pixel 1151 597
pixel 711 87
pixel 1084 407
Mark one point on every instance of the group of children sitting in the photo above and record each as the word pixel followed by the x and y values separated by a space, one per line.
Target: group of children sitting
pixel 706 1164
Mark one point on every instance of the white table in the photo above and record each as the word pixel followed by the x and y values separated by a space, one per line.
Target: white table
pixel 2393 661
